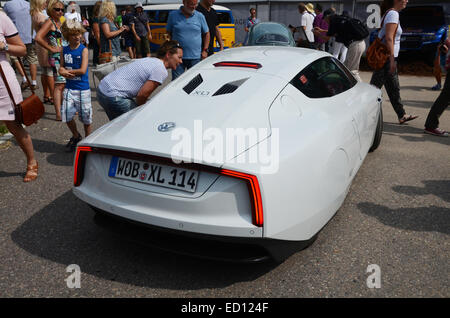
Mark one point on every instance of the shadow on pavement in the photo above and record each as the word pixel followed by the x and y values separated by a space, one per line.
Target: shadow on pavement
pixel 64 232
pixel 58 155
pixel 440 188
pixel 404 131
pixel 418 103
pixel 425 219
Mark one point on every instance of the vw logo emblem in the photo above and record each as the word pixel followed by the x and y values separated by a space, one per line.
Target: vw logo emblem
pixel 166 126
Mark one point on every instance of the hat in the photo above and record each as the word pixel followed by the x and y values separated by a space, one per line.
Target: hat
pixel 138 5
pixel 310 7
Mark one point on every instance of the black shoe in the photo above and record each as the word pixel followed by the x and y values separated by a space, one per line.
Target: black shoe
pixel 72 144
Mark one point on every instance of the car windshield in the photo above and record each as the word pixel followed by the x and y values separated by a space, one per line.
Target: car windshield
pixel 268 33
pixel 422 17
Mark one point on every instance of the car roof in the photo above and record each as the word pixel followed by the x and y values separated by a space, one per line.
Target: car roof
pixel 280 61
pixel 176 6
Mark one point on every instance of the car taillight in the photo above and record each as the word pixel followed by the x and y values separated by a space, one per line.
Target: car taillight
pixel 238 64
pixel 80 160
pixel 255 194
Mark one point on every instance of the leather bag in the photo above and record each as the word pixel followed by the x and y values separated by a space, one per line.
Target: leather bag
pixel 31 109
pixel 105 57
pixel 378 53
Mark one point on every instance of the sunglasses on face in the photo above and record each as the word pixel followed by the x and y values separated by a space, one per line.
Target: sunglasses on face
pixel 58 9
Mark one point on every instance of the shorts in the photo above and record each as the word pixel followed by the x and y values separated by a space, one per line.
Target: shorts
pixel 77 101
pixel 142 46
pixel 46 71
pixel 55 64
pixel 31 56
pixel 129 42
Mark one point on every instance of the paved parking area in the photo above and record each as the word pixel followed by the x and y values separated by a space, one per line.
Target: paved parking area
pixel 396 216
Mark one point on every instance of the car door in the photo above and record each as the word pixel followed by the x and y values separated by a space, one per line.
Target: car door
pixel 326 83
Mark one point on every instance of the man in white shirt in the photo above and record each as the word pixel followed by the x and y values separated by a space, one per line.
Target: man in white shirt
pixel 72 13
pixel 307 20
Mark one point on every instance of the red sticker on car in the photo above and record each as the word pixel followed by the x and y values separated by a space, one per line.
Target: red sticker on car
pixel 303 79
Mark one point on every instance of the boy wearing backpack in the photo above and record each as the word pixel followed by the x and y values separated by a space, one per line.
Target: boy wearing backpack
pixel 352 32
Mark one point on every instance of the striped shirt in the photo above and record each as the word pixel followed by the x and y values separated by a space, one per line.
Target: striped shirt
pixel 127 81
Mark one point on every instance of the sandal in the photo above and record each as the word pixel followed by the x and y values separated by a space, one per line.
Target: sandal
pixel 32 173
pixel 406 118
pixel 48 100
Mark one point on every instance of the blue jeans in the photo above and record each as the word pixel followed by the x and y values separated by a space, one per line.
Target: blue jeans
pixel 187 64
pixel 115 106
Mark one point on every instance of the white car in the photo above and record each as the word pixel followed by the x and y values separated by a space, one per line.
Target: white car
pixel 252 151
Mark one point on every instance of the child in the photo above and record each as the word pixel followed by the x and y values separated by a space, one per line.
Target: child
pixel 77 94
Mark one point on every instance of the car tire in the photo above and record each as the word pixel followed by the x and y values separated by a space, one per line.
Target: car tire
pixel 378 132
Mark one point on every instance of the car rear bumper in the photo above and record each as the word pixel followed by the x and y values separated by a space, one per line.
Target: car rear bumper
pixel 213 247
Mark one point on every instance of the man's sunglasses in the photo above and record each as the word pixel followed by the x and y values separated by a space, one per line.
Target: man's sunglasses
pixel 59 9
pixel 176 46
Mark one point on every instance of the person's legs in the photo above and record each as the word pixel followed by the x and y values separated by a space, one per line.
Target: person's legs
pixel 26 144
pixel 57 99
pixel 68 111
pixel 438 107
pixel 384 77
pixel 85 111
pixel 145 47
pixel 336 49
pixel 32 60
pixel 138 45
pixel 353 58
pixel 47 83
pixel 191 63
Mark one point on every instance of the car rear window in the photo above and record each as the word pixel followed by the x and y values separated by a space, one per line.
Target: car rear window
pixel 325 77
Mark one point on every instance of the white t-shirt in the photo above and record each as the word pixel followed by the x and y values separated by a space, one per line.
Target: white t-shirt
pixel 307 20
pixel 71 16
pixel 392 17
pixel 127 81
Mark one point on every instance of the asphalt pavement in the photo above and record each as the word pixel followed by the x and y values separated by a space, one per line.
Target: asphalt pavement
pixel 396 216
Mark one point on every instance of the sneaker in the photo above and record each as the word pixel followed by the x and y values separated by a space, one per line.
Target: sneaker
pixel 436 87
pixel 34 87
pixel 24 86
pixel 436 132
pixel 72 144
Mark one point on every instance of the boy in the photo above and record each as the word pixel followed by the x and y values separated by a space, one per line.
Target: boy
pixel 77 93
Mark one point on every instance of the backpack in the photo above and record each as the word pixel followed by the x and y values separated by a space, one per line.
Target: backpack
pixel 358 30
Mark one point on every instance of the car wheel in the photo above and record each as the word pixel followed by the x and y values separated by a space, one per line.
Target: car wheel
pixel 378 132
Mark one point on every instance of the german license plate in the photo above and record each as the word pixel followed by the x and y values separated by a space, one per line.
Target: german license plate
pixel 154 174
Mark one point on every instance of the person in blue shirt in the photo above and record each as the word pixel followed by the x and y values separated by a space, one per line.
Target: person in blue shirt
pixel 189 28
pixel 77 93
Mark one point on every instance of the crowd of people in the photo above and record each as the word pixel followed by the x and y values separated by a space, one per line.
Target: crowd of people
pixel 319 27
pixel 59 45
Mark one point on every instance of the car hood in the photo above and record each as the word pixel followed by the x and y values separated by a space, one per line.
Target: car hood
pixel 201 119
pixel 415 30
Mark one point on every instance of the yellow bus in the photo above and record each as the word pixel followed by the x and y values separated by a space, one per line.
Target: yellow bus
pixel 159 13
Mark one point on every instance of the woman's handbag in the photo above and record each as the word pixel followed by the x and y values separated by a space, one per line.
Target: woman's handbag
pixel 31 109
pixel 105 57
pixel 378 53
